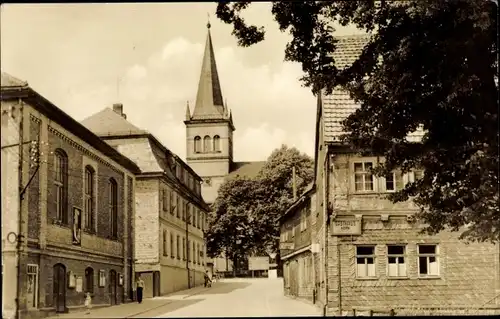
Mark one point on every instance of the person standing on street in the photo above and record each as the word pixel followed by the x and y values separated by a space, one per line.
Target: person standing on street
pixel 140 288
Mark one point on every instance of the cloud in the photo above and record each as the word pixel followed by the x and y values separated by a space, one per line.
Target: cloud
pixel 268 103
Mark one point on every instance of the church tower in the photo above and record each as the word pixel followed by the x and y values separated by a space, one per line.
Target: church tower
pixel 209 129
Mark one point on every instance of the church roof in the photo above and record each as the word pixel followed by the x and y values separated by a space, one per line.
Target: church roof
pixel 248 169
pixel 108 122
pixel 209 101
pixel 339 105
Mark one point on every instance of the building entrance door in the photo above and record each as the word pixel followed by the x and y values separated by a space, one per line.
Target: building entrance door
pixel 32 289
pixel 59 291
pixel 112 287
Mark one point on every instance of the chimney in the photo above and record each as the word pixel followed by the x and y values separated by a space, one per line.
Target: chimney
pixel 118 108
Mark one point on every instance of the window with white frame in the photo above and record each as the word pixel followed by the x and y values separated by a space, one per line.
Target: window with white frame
pixel 428 262
pixel 394 181
pixel 396 266
pixel 365 261
pixel 363 177
pixel 415 175
pixel 102 278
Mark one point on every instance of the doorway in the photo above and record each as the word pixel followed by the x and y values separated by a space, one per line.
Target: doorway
pixel 156 284
pixel 59 292
pixel 112 287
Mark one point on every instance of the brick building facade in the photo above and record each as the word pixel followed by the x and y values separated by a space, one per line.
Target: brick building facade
pixel 170 212
pixel 375 259
pixel 75 209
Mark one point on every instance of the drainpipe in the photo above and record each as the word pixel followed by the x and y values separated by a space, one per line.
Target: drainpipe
pixel 187 248
pixel 20 209
pixel 325 221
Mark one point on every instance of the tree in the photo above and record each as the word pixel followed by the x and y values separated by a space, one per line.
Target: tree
pixel 429 64
pixel 244 217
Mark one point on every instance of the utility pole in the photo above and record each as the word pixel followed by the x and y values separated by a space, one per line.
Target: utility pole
pixel 188 216
pixel 294 184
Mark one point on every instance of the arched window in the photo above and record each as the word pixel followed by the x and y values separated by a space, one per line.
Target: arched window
pixel 89 198
pixel 89 280
pixel 216 143
pixel 207 147
pixel 197 144
pixel 61 185
pixel 113 207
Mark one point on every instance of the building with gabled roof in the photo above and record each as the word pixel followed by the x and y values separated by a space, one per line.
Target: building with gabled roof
pixel 67 209
pixel 171 213
pixel 372 257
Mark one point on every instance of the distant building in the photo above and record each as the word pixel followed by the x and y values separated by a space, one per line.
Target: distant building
pixel 376 261
pixel 209 137
pixel 67 209
pixel 296 249
pixel 171 215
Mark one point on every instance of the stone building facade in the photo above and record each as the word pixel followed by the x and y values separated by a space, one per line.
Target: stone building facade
pixel 296 248
pixel 376 259
pixel 170 212
pixel 75 194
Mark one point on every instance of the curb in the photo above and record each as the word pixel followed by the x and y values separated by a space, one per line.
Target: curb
pixel 195 293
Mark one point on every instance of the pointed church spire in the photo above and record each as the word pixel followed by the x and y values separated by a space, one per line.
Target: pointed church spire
pixel 188 112
pixel 209 102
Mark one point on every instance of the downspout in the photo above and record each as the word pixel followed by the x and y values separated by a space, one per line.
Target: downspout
pixel 187 248
pixel 20 209
pixel 325 230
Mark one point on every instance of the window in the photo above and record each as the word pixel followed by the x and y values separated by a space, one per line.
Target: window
pixel 394 182
pixel 197 144
pixel 216 143
pixel 198 219
pixel 178 206
pixel 363 178
pixel 198 253
pixel 194 253
pixel 207 147
pixel 182 206
pixel 102 278
pixel 365 261
pixel 89 280
pixel 172 246
pixel 178 247
pixel 165 243
pixel 188 212
pixel 89 198
pixel 183 248
pixel 303 221
pixel 428 264
pixel 113 208
pixel 396 266
pixel 61 185
pixel 172 202
pixel 189 250
pixel 164 195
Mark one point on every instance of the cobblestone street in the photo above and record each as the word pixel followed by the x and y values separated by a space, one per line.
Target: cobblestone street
pixel 227 298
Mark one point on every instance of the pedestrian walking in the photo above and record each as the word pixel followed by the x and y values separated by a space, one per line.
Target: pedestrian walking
pixel 208 282
pixel 88 303
pixel 140 288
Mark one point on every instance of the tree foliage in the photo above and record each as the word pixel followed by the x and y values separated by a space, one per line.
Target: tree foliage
pixel 245 211
pixel 429 64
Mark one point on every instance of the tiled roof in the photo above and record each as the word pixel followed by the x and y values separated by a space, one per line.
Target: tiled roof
pixel 339 105
pixel 8 80
pixel 248 169
pixel 107 122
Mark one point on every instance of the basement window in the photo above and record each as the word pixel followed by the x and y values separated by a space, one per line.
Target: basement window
pixel 365 261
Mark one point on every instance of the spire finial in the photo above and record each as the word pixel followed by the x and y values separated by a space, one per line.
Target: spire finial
pixel 208 23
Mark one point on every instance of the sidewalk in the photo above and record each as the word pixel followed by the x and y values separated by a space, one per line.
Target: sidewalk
pixel 131 309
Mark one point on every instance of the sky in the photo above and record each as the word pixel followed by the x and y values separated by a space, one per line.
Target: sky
pixel 85 57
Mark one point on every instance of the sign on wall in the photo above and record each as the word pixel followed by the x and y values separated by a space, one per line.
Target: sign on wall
pixel 346 227
pixel 287 245
pixel 258 263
